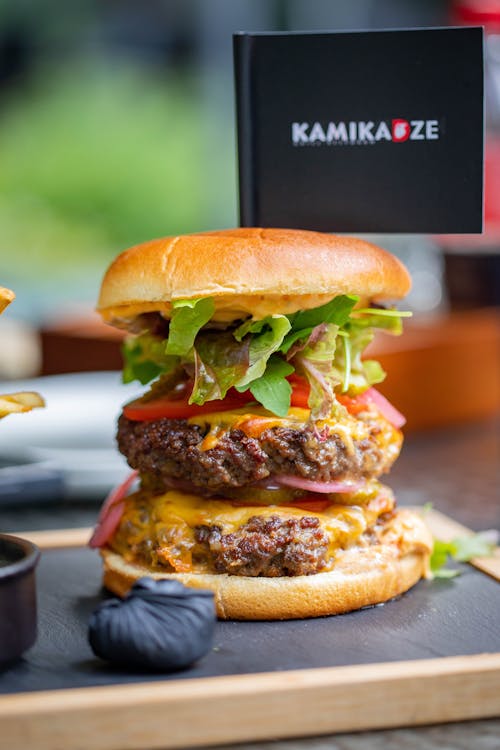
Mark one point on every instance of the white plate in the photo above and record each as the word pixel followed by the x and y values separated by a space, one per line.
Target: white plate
pixel 75 433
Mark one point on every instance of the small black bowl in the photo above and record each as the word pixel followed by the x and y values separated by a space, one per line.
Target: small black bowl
pixel 18 559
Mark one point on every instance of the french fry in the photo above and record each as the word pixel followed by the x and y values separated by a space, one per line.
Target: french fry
pixel 12 403
pixel 6 297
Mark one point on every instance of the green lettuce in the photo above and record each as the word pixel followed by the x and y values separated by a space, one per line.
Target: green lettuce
pixel 386 320
pixel 302 323
pixel 188 316
pixel 219 363
pixel 323 344
pixel 336 311
pixel 272 389
pixel 145 358
pixel 357 374
pixel 461 549
pixel 266 337
pixel 316 363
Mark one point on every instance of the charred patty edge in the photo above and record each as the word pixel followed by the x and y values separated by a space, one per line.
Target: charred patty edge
pixel 164 450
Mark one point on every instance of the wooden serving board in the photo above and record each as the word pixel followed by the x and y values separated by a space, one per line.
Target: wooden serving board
pixel 432 656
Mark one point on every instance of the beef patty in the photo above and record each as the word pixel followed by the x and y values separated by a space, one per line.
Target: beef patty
pixel 269 547
pixel 166 449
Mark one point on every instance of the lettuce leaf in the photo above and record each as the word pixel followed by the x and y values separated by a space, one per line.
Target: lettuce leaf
pixel 358 374
pixel 316 362
pixel 303 322
pixel 461 549
pixel 188 316
pixel 219 363
pixel 373 371
pixel 145 358
pixel 440 553
pixel 387 320
pixel 324 344
pixel 336 311
pixel 481 544
pixel 272 389
pixel 268 335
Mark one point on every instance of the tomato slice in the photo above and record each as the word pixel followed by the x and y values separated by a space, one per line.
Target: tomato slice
pixel 300 391
pixel 178 407
pixel 353 405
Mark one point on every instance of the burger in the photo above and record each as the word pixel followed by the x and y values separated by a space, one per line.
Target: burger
pixel 260 442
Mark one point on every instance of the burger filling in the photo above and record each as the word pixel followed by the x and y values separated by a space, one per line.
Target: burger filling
pixel 179 532
pixel 259 442
pixel 242 449
pixel 202 364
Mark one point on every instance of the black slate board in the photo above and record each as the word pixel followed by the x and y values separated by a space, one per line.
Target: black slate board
pixel 434 619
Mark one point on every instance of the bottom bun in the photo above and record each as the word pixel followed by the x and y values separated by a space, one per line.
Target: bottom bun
pixel 361 577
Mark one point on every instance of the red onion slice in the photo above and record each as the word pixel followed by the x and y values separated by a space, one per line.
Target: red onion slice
pixel 111 512
pixel 321 487
pixel 372 396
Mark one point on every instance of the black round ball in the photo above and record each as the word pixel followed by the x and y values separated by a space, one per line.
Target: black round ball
pixel 159 625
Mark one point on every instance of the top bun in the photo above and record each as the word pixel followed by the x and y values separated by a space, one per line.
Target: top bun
pixel 248 271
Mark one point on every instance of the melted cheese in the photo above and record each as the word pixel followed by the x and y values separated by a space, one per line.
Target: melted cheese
pixel 165 525
pixel 238 417
pixel 194 511
pixel 253 423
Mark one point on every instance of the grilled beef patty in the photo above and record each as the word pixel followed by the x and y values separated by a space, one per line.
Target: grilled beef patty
pixel 167 449
pixel 269 547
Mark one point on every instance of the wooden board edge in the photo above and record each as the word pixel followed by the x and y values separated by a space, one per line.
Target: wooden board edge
pixel 57 538
pixel 308 702
pixel 442 527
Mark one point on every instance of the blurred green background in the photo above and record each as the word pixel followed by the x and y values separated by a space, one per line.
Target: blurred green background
pixel 97 158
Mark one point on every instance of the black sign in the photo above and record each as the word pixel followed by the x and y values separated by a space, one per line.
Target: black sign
pixel 378 131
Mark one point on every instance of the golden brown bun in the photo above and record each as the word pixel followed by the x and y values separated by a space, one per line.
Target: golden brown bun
pixel 361 577
pixel 248 271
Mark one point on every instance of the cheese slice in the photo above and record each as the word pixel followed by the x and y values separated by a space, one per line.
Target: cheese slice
pixel 162 528
pixel 253 422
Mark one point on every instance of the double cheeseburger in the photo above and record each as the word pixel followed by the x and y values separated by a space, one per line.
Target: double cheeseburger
pixel 261 440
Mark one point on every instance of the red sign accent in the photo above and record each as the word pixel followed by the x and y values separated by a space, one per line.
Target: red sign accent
pixel 400 130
